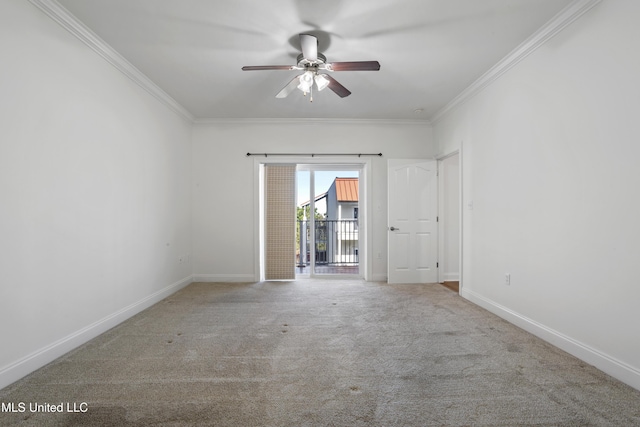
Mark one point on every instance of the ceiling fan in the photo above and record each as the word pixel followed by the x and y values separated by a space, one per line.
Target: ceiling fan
pixel 312 62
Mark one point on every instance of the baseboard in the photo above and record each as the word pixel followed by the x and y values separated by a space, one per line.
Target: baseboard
pixel 617 369
pixel 19 369
pixel 236 278
pixel 451 277
pixel 378 278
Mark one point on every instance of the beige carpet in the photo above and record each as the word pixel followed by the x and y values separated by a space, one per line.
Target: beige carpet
pixel 321 353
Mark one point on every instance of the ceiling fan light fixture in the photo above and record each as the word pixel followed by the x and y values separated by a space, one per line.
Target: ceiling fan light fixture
pixel 321 81
pixel 306 81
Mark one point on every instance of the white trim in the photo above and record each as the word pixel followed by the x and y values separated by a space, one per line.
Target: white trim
pixel 447 155
pixel 72 24
pixel 68 21
pixel 565 17
pixel 22 367
pixel 441 221
pixel 311 222
pixel 353 277
pixel 379 278
pixel 617 369
pixel 259 220
pixel 310 121
pixel 461 229
pixel 365 219
pixel 221 278
pixel 443 276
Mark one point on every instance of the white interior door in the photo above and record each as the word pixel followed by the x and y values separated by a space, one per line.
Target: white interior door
pixel 412 240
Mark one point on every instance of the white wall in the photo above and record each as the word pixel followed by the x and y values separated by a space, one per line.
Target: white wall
pixel 95 192
pixel 345 210
pixel 224 238
pixel 550 162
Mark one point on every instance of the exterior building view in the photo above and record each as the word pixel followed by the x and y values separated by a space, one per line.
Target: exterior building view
pixel 342 220
pixel 336 231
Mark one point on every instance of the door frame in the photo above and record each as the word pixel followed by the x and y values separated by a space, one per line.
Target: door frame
pixel 312 168
pixel 442 224
pixel 365 191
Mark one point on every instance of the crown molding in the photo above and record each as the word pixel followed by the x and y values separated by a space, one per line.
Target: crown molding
pixel 564 18
pixel 63 17
pixel 311 121
pixel 70 23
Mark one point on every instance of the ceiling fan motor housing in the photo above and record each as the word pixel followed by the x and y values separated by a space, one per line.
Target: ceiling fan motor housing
pixel 302 60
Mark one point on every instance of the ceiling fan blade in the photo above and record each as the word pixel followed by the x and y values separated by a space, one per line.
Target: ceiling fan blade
pixel 355 66
pixel 339 90
pixel 266 67
pixel 293 84
pixel 309 46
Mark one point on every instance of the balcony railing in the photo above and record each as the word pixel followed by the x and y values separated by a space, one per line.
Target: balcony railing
pixel 336 242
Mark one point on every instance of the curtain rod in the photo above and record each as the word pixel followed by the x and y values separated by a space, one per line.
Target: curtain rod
pixel 314 154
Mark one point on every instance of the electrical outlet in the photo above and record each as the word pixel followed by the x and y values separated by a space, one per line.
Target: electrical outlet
pixel 507 279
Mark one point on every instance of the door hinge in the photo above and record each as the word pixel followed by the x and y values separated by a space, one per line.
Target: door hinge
pixel 437 219
pixel 437 264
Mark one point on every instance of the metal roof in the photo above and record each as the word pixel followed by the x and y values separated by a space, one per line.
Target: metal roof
pixel 347 189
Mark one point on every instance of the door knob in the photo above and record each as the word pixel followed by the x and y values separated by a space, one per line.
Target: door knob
pixel 393 228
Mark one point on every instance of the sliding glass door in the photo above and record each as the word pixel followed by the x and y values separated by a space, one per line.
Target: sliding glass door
pixel 327 229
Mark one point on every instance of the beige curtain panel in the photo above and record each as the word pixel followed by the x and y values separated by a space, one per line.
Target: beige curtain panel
pixel 280 239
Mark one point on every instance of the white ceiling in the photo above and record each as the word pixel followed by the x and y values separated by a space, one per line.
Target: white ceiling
pixel 429 50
